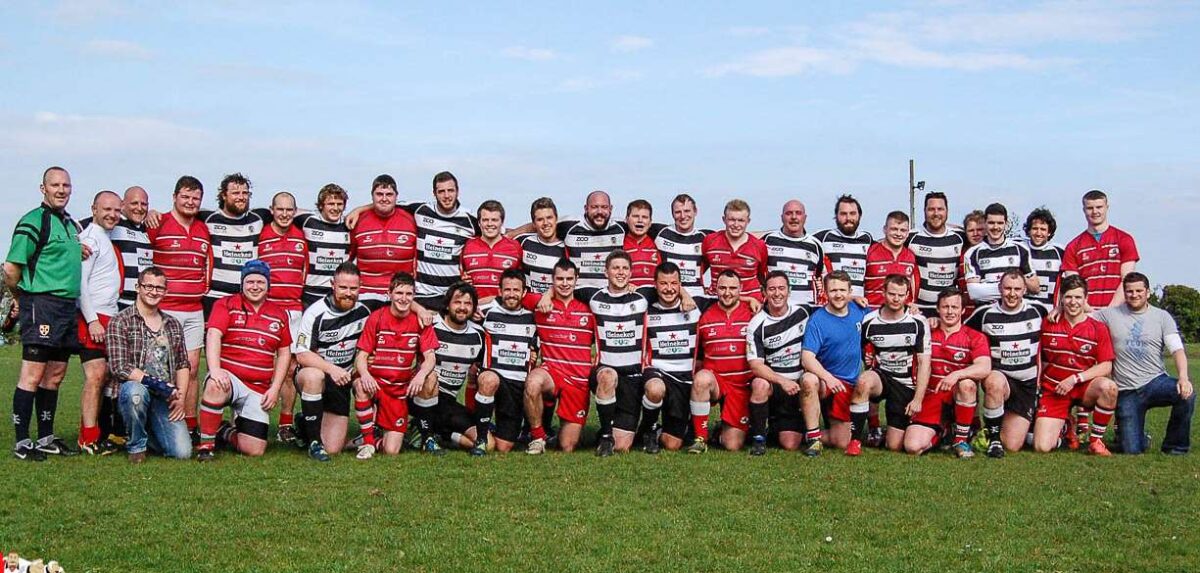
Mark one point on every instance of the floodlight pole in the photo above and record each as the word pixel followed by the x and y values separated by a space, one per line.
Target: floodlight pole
pixel 912 190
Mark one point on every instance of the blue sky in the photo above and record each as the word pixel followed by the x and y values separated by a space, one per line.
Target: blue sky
pixel 1025 103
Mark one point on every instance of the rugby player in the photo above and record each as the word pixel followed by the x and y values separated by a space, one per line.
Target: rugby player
pixel 443 227
pixel 383 242
pixel 1013 327
pixel 801 256
pixel 1045 257
pixel 393 351
pixel 959 361
pixel 774 344
pixel 1077 360
pixel 324 348
pixel 682 244
pixel 282 246
pixel 938 250
pixel 973 228
pixel 510 340
pixel 846 246
pixel 486 257
pixel 456 362
pixel 888 257
pixel 722 339
pixel 248 349
pixel 640 245
pixel 734 249
pixel 671 348
pixel 328 240
pixel 984 263
pixel 100 286
pixel 1102 254
pixel 130 238
pixel 235 229
pixel 833 353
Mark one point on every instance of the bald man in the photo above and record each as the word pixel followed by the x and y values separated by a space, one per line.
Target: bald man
pixel 800 256
pixel 99 287
pixel 282 246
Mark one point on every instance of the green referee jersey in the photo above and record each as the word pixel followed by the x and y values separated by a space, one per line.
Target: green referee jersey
pixel 46 245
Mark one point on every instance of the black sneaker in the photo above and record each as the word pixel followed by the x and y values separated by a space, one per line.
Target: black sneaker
pixel 287 434
pixel 317 452
pixel 479 450
pixel 194 434
pixel 758 447
pixel 813 448
pixel 57 447
pixel 26 451
pixel 205 455
pixel 995 449
pixel 650 443
pixel 605 447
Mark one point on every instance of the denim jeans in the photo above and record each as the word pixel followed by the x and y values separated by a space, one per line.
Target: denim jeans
pixel 147 419
pixel 1131 416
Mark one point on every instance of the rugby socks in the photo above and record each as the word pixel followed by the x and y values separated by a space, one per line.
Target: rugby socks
pixel 649 415
pixel 484 406
pixel 538 433
pixel 88 434
pixel 47 405
pixel 22 413
pixel 758 421
pixel 1082 418
pixel 700 411
pixel 311 409
pixel 1100 419
pixel 471 398
pixel 287 418
pixel 191 423
pixel 858 420
pixel 873 416
pixel 366 420
pixel 992 419
pixel 421 412
pixel 812 435
pixel 210 420
pixel 964 415
pixel 605 409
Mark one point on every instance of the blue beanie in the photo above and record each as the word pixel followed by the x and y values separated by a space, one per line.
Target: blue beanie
pixel 256 267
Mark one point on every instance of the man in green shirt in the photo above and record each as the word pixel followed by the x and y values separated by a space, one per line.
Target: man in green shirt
pixel 43 269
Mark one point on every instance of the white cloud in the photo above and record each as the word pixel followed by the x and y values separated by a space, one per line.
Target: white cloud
pixel 117 49
pixel 626 44
pixel 789 61
pixel 531 54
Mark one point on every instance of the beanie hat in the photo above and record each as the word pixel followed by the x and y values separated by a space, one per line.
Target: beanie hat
pixel 256 267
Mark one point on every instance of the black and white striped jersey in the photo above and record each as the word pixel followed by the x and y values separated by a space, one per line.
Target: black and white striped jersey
pixel 896 344
pixel 1014 337
pixel 331 333
pixel 779 340
pixel 802 258
pixel 588 248
pixel 671 334
pixel 989 262
pixel 538 259
pixel 684 249
pixel 234 241
pixel 847 254
pixel 939 262
pixel 620 329
pixel 1046 261
pixel 440 240
pixel 133 243
pixel 510 338
pixel 457 351
pixel 328 247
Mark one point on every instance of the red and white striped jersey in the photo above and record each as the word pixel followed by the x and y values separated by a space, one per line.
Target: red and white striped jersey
pixel 722 339
pixel 185 256
pixel 395 343
pixel 250 338
pixel 749 261
pixel 484 263
pixel 1099 262
pixel 565 336
pixel 881 263
pixel 1068 350
pixel 382 247
pixel 287 255
pixel 645 256
pixel 953 352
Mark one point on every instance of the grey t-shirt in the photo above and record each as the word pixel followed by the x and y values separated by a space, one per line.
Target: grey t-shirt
pixel 1138 339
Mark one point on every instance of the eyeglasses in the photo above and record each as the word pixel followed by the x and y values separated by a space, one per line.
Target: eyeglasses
pixel 153 288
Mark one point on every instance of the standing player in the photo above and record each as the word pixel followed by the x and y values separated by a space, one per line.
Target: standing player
pixel 565 336
pixel 510 340
pixel 130 238
pixel 671 340
pixel 442 229
pixel 640 243
pixel 959 361
pixel 736 250
pixel 775 340
pixel 1102 254
pixel 974 227
pixel 833 353
pixel 1077 360
pixel 722 339
pixel 938 250
pixel 486 257
pixel 540 249
pixel 182 249
pixel 234 228
pixel 391 346
pixel 622 396
pixel 1013 327
pixel 1045 257
pixel 589 240
pixel 283 248
pixel 845 246
pixel 248 348
pixel 799 255
pixel 456 362
pixel 328 241
pixel 682 244
pixel 42 270
pixel 889 257
pixel 383 243
pixel 986 262
pixel 100 286
pixel 324 348
pixel 896 345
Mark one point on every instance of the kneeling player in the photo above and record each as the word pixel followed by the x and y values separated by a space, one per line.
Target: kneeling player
pixel 833 353
pixel 248 349
pixel 387 362
pixel 959 361
pixel 510 337
pixel 1077 357
pixel 456 361
pixel 671 338
pixel 896 344
pixel 324 348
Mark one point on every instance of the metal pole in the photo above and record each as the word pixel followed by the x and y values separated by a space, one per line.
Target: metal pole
pixel 912 190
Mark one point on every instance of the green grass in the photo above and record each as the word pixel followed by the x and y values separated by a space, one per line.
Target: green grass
pixel 719 512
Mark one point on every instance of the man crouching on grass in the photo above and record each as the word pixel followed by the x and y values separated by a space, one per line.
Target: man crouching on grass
pixel 248 347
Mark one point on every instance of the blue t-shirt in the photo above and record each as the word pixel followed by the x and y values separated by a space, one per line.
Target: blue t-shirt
pixel 837 342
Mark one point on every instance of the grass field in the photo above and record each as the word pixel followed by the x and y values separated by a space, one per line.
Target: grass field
pixel 719 512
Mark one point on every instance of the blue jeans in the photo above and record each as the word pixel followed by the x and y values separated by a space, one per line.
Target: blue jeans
pixel 147 419
pixel 1131 415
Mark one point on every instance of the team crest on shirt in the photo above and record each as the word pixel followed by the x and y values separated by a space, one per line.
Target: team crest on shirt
pixel 274 326
pixel 581 414
pixel 412 342
pixel 1085 348
pixel 583 321
pixel 239 320
pixel 1112 252
pixel 959 355
pixel 745 420
pixel 299 247
pixel 908 270
pixel 908 339
pixel 44 329
pixel 203 247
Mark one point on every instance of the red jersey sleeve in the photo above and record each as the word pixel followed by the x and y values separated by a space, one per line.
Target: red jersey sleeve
pixel 914 284
pixel 1128 247
pixel 979 346
pixel 285 333
pixel 366 340
pixel 1070 260
pixel 219 319
pixel 429 339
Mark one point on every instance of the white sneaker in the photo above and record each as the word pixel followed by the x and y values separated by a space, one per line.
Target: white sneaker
pixel 365 452
pixel 536 447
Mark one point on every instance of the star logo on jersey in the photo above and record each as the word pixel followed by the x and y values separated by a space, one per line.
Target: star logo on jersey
pixel 598 256
pixel 457 367
pixel 674 336
pixel 441 241
pixel 620 327
pixel 1015 345
pixel 514 345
